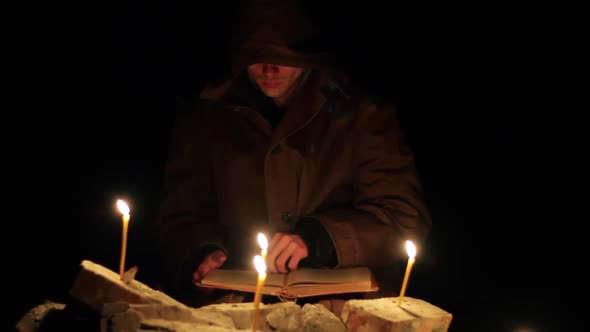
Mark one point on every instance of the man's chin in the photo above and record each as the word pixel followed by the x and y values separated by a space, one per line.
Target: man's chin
pixel 272 93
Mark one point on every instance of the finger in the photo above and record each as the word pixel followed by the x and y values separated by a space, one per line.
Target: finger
pixel 281 261
pixel 297 256
pixel 208 264
pixel 219 257
pixel 217 263
pixel 274 251
pixel 197 276
pixel 279 247
pixel 270 261
pixel 204 268
pixel 275 238
pixel 300 253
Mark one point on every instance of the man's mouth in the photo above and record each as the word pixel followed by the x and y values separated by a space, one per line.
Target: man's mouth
pixel 271 84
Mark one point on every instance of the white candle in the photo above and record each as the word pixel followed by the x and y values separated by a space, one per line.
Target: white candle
pixel 125 211
pixel 261 268
pixel 411 249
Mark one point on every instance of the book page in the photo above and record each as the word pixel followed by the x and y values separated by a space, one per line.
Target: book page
pixel 228 278
pixel 304 290
pixel 356 275
pixel 304 282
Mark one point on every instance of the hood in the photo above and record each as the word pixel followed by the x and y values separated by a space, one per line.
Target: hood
pixel 277 32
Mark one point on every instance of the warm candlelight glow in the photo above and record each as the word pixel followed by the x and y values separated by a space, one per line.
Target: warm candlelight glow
pixel 124 209
pixel 261 268
pixel 411 250
pixel 259 264
pixel 263 245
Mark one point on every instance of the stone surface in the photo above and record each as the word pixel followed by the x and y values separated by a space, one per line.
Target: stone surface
pixel 119 317
pixel 113 305
pixel 95 286
pixel 33 319
pixel 317 318
pixel 283 316
pixel 384 314
pixel 171 326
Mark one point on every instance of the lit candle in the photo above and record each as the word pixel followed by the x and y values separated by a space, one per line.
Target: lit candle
pixel 261 268
pixel 125 211
pixel 263 245
pixel 411 249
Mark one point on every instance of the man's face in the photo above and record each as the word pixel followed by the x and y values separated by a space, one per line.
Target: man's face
pixel 275 81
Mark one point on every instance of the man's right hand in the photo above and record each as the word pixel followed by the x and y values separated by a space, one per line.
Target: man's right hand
pixel 213 261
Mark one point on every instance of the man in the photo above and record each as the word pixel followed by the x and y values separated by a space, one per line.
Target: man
pixel 288 146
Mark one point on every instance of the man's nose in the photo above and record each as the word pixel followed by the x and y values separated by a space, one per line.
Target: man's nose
pixel 269 68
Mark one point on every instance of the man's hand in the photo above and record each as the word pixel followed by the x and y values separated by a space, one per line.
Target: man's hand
pixel 285 250
pixel 213 261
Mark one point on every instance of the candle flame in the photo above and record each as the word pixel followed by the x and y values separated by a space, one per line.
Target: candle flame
pixel 262 241
pixel 411 249
pixel 259 264
pixel 123 207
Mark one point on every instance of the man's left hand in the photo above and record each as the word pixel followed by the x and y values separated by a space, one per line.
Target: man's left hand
pixel 285 251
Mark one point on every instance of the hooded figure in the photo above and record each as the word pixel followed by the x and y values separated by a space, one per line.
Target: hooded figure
pixel 283 143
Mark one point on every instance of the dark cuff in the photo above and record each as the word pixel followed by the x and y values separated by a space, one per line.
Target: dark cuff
pixel 319 244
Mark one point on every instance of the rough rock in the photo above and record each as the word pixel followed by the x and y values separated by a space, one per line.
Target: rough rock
pixel 134 317
pixel 119 317
pixel 95 286
pixel 413 315
pixel 31 321
pixel 128 306
pixel 283 316
pixel 317 318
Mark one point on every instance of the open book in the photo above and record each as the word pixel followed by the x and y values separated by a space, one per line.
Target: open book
pixel 299 283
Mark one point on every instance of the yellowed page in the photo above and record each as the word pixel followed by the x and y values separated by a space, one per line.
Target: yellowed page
pixel 229 278
pixel 355 275
pixel 305 290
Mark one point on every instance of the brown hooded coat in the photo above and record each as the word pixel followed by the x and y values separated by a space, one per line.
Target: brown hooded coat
pixel 335 156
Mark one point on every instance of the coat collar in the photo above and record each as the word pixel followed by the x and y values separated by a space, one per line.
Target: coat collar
pixel 303 106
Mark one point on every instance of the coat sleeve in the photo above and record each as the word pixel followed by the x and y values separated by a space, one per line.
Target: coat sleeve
pixel 388 206
pixel 187 223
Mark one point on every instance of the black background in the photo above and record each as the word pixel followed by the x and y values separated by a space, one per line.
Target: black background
pixel 487 92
